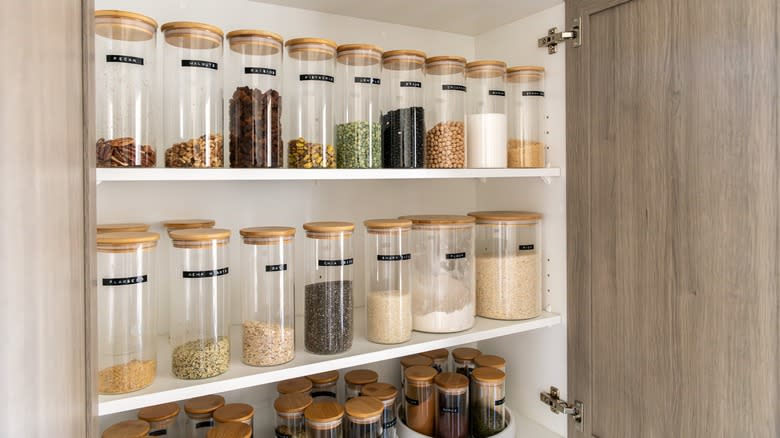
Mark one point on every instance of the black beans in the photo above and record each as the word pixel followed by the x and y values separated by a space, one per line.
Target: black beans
pixel 328 317
pixel 403 138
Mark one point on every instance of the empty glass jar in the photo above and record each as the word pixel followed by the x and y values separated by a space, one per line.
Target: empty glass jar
pixel 388 395
pixel 419 399
pixel 440 359
pixel 364 417
pixel 323 385
pixel 487 406
pixel 323 419
pixel 445 90
pixel 355 380
pixel 200 411
pixel 452 405
pixel 525 145
pixel 463 360
pixel 486 120
pixel 403 116
pixel 162 419
pixel 290 422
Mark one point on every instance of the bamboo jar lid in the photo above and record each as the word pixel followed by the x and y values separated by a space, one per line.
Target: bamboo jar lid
pixel 311 49
pixel 443 220
pixel 234 412
pixel 361 377
pixel 324 411
pixel 124 25
pixel 127 429
pixel 329 230
pixel 294 386
pixel 420 374
pixel 204 405
pixel 159 412
pixel 387 224
pixel 380 391
pixel 363 407
pixel 292 403
pixel 465 354
pixel 181 224
pixel 285 233
pixel 254 42
pixel 490 361
pixel 403 60
pixel 199 237
pixel 192 35
pixel 505 216
pixel 358 54
pixel 441 353
pixel 230 430
pixel 322 378
pixel 416 360
pixel 126 238
pixel 445 65
pixel 137 227
pixel 487 375
pixel 452 381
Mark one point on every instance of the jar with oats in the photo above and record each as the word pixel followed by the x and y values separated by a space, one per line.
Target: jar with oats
pixel 525 144
pixel 445 90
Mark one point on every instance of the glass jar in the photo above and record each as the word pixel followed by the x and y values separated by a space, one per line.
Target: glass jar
pixel 445 90
pixel 388 281
pixel 463 360
pixel 525 147
pixel 299 385
pixel 131 227
pixel 162 419
pixel 358 127
pixel 125 51
pixel 509 266
pixel 364 417
pixel 323 385
pixel 127 340
pixel 486 122
pixel 328 287
pixel 199 303
pixel 323 419
pixel 311 145
pixel 387 394
pixel 443 273
pixel 127 429
pixel 200 411
pixel 403 116
pixel 268 290
pixel 192 95
pixel 488 416
pixel 452 405
pixel 290 422
pixel 413 361
pixel 235 413
pixel 490 361
pixel 419 399
pixel 440 359
pixel 255 107
pixel 355 380
pixel 230 430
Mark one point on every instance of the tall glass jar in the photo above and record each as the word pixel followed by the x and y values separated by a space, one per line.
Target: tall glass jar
pixel 364 417
pixel 358 127
pixel 445 90
pixel 355 380
pixel 268 291
pixel 192 94
pixel 490 361
pixel 290 422
pixel 509 265
pixel 235 413
pixel 127 429
pixel 403 116
pixel 452 405
pixel 486 122
pixel 443 273
pixel 388 395
pixel 463 360
pixel 230 430
pixel 298 385
pixel 440 359
pixel 388 281
pixel 419 399
pixel 162 419
pixel 200 411
pixel 126 324
pixel 415 360
pixel 133 227
pixel 488 416
pixel 323 419
pixel 125 51
pixel 255 107
pixel 199 303
pixel 525 147
pixel 311 142
pixel 328 293
pixel 323 385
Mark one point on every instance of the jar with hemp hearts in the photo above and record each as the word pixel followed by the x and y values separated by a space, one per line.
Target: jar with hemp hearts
pixel 310 143
pixel 193 94
pixel 525 144
pixel 199 303
pixel 125 51
pixel 445 140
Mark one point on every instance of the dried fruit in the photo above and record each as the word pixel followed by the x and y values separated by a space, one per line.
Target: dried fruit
pixel 256 128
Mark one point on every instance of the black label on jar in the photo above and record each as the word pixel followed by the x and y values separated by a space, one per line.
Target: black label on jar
pixel 161 432
pixel 199 64
pixel 533 93
pixel 412 401
pixel 455 255
pixel 125 281
pixel 525 247
pixel 496 93
pixel 367 80
pixel 446 410
pixel 205 274
pixel 324 78
pixel 454 87
pixel 276 268
pixel 125 59
pixel 344 262
pixel 393 257
pixel 389 424
pixel 202 424
pixel 500 402
pixel 412 84
pixel 316 394
pixel 259 71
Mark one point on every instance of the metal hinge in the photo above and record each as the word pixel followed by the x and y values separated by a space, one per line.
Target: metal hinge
pixel 553 37
pixel 559 406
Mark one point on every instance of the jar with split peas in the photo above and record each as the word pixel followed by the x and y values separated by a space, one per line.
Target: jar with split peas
pixel 487 407
pixel 324 419
pixel 388 395
pixel 490 361
pixel 299 385
pixel 162 419
pixel 486 109
pixel 230 430
pixel 403 115
pixel 324 385
pixel 525 144
pixel 290 422
pixel 452 405
pixel 127 227
pixel 419 399
pixel 440 359
pixel 445 90
pixel 463 360
pixel 127 429
pixel 363 417
pixel 355 380
pixel 200 411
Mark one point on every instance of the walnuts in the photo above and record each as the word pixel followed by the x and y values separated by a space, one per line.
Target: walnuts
pixel 194 152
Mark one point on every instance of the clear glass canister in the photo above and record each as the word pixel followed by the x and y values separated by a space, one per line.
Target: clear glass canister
pixel 525 147
pixel 443 273
pixel 133 227
pixel 463 360
pixel 200 411
pixel 298 385
pixel 355 380
pixel 486 126
pixel 162 419
pixel 445 90
pixel 255 106
pixel 323 419
pixel 388 395
pixel 328 296
pixel 323 385
pixel 388 261
pixel 125 52
pixel 192 95
pixel 311 139
pixel 452 405
pixel 199 303
pixel 412 361
pixel 235 413
pixel 487 406
pixel 126 324
pixel 364 417
pixel 268 291
pixel 490 361
pixel 419 399
pixel 290 422
pixel 127 429
pixel 230 430
pixel 509 266
pixel 440 359
pixel 403 116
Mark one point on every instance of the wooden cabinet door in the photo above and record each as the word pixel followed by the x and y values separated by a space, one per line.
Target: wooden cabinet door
pixel 672 188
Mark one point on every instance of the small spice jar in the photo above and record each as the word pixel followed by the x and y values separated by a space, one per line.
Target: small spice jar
pixel 486 121
pixel 445 141
pixel 127 347
pixel 490 361
pixel 358 127
pixel 299 385
pixel 364 417
pixel 323 419
pixel 255 107
pixel 161 419
pixel 403 116
pixel 419 399
pixel 356 379
pixel 230 430
pixel 440 359
pixel 525 146
pixel 311 144
pixel 290 422
pixel 200 411
pixel 125 52
pixel 127 227
pixel 323 385
pixel 509 265
pixel 463 359
pixel 388 261
pixel 388 395
pixel 235 413
pixel 488 416
pixel 193 94
pixel 268 291
pixel 452 405
pixel 415 360
pixel 328 298
pixel 127 429
pixel 199 295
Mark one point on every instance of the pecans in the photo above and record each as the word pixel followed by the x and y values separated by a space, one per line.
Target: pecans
pixel 123 152
pixel 256 128
pixel 267 344
pixel 521 153
pixel 358 145
pixel 446 146
pixel 305 155
pixel 202 358
pixel 127 377
pixel 196 152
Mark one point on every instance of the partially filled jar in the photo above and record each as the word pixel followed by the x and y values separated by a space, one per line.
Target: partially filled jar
pixel 298 385
pixel 419 399
pixel 440 359
pixel 403 116
pixel 388 395
pixel 200 411
pixel 445 140
pixel 290 422
pixel 323 385
pixel 452 406
pixel 463 360
pixel 355 380
pixel 490 361
pixel 363 417
pixel 487 407
pixel 415 360
pixel 388 262
pixel 199 303
pixel 235 413
pixel 525 145
pixel 486 125
pixel 323 419
pixel 125 52
pixel 127 429
pixel 162 419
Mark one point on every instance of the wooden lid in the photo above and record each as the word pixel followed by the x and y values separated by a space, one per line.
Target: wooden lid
pixel 465 353
pixel 159 412
pixel 192 35
pixel 387 224
pixel 200 234
pixel 489 360
pixel 505 216
pixel 204 405
pixel 191 25
pixel 445 65
pixel 126 238
pixel 358 54
pixel 254 33
pixel 254 42
pixel 294 386
pixel 292 403
pixel 230 430
pixel 329 227
pixel 361 377
pixel 441 353
pixel 435 59
pixel 363 407
pixel 452 381
pixel 324 411
pixel 260 232
pixel 124 25
pixel 127 429
pixel 420 374
pixel 234 412
pixel 181 224
pixel 416 360
pixel 380 391
pixel 485 63
pixel 392 53
pixel 115 13
pixel 122 227
pixel 439 219
pixel 403 59
pixel 311 49
pixel 485 69
pixel 488 375
pixel 525 68
pixel 326 377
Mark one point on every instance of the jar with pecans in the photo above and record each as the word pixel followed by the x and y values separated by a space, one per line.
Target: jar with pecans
pixel 162 419
pixel 200 412
pixel 445 140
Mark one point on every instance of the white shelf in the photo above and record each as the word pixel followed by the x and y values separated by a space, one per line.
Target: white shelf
pixel 167 388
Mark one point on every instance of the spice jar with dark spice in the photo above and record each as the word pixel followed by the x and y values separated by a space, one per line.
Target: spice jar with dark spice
pixel 440 359
pixel 445 141
pixel 487 406
pixel 463 360
pixel 419 399
pixel 388 395
pixel 452 404
pixel 324 419
pixel 290 422
pixel 364 417
pixel 323 385
pixel 355 380
pixel 403 116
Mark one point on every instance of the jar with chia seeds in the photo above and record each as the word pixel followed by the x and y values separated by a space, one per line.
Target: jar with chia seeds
pixel 355 380
pixel 412 361
pixel 328 297
pixel 358 128
pixel 363 417
pixel 419 399
pixel 200 411
pixel 388 261
pixel 445 90
pixel 490 361
pixel 323 385
pixel 127 429
pixel 509 264
pixel 324 419
pixel 131 227
pixel 487 403
pixel 452 405
pixel 440 359
pixel 230 430
pixel 403 116
pixel 162 419
pixel 127 350
pixel 290 422
pixel 199 303
pixel 310 144
pixel 463 360
pixel 298 385
pixel 525 144
pixel 268 291
pixel 486 127
pixel 388 395
pixel 235 413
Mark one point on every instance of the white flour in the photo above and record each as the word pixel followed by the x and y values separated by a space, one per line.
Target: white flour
pixel 442 322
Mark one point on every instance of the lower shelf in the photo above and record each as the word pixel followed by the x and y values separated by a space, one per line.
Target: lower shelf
pixel 167 388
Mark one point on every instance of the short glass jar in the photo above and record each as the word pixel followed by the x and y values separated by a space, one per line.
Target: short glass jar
pixel 363 417
pixel 324 385
pixel 200 411
pixel 441 359
pixel 525 145
pixel 324 419
pixel 412 361
pixel 463 360
pixel 235 413
pixel 490 361
pixel 445 90
pixel 290 422
pixel 388 395
pixel 486 121
pixel 298 385
pixel 355 380
pixel 162 419
pixel 452 405
pixel 230 430
pixel 127 429
pixel 403 116
pixel 487 406
pixel 419 399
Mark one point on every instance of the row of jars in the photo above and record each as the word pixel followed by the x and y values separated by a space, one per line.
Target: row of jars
pixel 370 130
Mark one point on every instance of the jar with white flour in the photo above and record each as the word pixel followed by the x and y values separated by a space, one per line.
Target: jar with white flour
pixel 486 127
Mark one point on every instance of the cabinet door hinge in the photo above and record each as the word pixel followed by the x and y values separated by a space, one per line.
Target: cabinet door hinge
pixel 559 406
pixel 553 37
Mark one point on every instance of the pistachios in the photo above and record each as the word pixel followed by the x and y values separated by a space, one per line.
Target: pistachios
pixel 306 155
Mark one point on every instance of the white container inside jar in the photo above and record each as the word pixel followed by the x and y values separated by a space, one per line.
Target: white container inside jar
pixel 200 411
pixel 324 419
pixel 486 123
pixel 525 88
pixel 290 422
pixel 445 101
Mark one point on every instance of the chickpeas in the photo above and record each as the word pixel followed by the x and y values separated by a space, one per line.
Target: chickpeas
pixel 445 146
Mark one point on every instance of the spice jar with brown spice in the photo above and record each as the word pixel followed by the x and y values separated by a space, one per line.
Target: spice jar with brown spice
pixel 419 399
